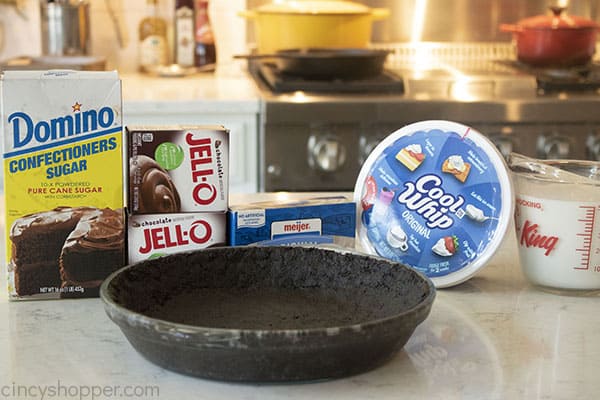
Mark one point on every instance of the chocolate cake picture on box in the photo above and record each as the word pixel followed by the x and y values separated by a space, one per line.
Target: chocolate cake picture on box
pixel 66 251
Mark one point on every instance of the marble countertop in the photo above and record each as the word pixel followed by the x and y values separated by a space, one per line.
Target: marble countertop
pixel 492 337
pixel 230 91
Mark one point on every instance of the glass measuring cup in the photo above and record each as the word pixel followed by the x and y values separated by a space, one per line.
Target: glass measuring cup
pixel 557 216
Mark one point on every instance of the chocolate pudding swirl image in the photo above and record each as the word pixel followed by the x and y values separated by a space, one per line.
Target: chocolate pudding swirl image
pixel 157 192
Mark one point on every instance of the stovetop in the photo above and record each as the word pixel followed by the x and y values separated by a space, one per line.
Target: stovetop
pixel 498 80
pixel 388 82
pixel 583 78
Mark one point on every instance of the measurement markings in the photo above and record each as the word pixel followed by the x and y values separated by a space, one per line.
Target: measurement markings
pixel 589 217
pixel 465 134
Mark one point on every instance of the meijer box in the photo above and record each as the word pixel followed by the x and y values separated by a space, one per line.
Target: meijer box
pixel 303 221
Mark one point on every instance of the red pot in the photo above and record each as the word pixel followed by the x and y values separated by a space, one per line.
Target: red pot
pixel 556 40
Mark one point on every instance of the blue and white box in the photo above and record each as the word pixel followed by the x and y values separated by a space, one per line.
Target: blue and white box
pixel 311 221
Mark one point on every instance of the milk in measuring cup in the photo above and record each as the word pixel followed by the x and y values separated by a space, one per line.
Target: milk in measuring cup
pixel 556 224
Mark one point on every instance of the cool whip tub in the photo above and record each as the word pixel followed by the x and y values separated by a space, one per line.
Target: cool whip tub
pixel 557 206
pixel 435 195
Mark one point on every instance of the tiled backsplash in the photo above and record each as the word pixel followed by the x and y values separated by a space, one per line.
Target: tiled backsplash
pixel 21 36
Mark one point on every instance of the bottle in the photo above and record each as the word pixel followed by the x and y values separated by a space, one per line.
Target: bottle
pixel 184 33
pixel 205 53
pixel 152 39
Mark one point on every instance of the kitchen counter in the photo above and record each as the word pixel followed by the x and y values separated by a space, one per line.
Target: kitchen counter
pixel 214 92
pixel 493 337
pixel 225 97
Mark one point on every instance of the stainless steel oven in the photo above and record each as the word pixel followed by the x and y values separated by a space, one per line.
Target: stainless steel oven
pixel 455 64
pixel 318 140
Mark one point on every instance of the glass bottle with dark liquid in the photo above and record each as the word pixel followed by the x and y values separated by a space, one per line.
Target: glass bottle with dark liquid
pixel 205 53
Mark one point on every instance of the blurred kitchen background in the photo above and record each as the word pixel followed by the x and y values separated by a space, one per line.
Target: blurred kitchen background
pixel 459 20
pixel 114 23
pixel 114 29
pixel 445 60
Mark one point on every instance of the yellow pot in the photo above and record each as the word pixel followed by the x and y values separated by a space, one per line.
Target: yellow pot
pixel 313 24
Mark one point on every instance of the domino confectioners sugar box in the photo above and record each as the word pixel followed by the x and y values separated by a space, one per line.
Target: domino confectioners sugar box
pixel 63 181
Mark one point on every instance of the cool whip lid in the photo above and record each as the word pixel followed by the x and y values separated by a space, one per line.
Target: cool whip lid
pixel 435 195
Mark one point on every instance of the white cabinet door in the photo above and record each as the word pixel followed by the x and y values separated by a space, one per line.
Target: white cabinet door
pixel 243 133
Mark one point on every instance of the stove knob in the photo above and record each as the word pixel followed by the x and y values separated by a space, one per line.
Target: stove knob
pixel 274 170
pixel 553 147
pixel 593 146
pixel 366 146
pixel 504 144
pixel 326 153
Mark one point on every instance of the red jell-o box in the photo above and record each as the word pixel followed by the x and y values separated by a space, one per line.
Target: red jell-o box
pixel 156 235
pixel 178 169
